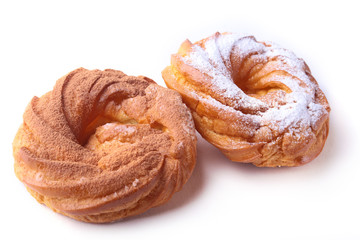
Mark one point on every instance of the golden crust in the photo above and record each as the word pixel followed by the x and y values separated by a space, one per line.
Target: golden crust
pixel 103 145
pixel 258 103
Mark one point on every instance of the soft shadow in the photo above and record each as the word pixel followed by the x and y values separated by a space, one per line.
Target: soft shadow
pixel 209 158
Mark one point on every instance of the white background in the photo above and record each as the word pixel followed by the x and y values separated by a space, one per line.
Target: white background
pixel 42 41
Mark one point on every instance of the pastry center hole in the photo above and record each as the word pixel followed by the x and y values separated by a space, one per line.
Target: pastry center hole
pixel 108 121
pixel 258 79
pixel 113 127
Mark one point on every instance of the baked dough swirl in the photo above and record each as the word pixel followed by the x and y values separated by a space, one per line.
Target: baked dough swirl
pixel 102 145
pixel 255 101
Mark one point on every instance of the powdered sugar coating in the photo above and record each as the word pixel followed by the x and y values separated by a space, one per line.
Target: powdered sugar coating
pixel 300 110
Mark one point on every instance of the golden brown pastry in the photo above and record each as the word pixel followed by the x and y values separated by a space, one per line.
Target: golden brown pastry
pixel 102 145
pixel 255 101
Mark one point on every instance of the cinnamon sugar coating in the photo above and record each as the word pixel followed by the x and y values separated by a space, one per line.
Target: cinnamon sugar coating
pixel 102 146
pixel 255 101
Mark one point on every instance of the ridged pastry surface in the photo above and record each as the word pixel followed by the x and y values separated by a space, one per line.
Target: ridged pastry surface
pixel 255 101
pixel 102 145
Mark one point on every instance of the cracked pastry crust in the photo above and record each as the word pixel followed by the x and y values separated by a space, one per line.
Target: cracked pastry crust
pixel 102 145
pixel 255 101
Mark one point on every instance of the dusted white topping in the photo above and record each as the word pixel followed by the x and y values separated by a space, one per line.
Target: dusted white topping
pixel 213 59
